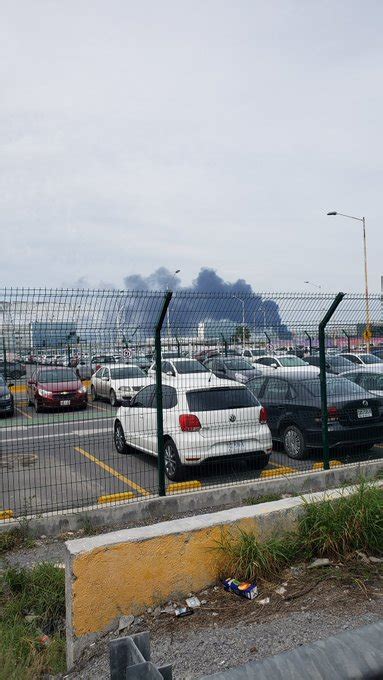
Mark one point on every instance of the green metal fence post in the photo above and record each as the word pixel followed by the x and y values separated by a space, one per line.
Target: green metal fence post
pixel 348 340
pixel 310 343
pixel 224 343
pixel 160 421
pixel 5 360
pixel 323 384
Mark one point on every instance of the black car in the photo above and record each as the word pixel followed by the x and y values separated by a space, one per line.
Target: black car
pixel 378 352
pixel 232 368
pixel 334 364
pixel 6 399
pixel 355 417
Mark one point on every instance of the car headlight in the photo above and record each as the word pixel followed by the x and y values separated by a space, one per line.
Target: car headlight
pixel 82 390
pixel 44 393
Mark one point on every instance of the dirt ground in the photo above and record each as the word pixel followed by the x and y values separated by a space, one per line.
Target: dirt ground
pixel 226 630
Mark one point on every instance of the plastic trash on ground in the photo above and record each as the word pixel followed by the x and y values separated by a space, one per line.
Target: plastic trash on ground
pixel 243 589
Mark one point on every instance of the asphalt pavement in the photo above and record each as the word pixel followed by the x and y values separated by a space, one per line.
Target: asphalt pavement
pixel 61 460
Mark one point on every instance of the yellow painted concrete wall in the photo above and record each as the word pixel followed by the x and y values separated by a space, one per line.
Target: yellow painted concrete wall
pixel 128 577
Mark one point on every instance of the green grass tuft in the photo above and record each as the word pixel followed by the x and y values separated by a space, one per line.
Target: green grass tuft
pixel 39 591
pixel 333 528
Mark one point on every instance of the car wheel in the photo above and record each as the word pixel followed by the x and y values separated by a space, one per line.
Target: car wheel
pixel 12 412
pixel 93 393
pixel 37 407
pixel 119 439
pixel 294 442
pixel 173 467
pixel 113 398
pixel 258 462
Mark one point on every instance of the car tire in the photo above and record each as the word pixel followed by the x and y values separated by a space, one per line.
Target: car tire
pixel 93 393
pixel 173 468
pixel 113 398
pixel 119 439
pixel 258 462
pixel 37 407
pixel 294 442
pixel 11 413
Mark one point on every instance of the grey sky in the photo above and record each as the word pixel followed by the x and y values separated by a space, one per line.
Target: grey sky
pixel 208 133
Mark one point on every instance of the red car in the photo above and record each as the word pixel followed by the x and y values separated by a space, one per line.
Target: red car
pixel 56 388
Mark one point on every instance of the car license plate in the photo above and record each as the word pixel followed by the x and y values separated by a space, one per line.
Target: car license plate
pixel 235 447
pixel 66 402
pixel 364 413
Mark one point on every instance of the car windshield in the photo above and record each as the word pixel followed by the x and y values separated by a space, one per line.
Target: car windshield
pixel 126 372
pixel 370 359
pixel 287 362
pixel 190 366
pixel 104 358
pixel 336 387
pixel 238 365
pixel 220 398
pixel 57 376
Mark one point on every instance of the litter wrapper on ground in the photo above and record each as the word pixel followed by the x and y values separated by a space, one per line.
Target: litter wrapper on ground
pixel 243 589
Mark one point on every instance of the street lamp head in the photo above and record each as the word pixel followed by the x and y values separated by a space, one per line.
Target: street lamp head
pixel 332 213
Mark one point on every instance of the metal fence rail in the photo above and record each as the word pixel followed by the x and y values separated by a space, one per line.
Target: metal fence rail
pixel 227 390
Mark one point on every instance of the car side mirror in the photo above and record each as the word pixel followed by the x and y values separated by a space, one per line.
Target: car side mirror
pixel 274 365
pixel 170 373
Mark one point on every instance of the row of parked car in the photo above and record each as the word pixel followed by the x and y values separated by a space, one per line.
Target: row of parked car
pixel 223 405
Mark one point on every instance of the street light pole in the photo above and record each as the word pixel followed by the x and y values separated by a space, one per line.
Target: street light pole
pixel 368 333
pixel 243 318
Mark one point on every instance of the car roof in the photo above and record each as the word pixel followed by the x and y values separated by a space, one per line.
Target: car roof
pixel 187 383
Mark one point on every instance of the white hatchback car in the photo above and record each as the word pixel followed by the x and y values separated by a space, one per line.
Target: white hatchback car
pixel 202 423
pixel 117 382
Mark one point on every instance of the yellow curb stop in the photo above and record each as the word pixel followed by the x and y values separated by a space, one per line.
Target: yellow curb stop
pixel 114 497
pixel 183 486
pixel 6 514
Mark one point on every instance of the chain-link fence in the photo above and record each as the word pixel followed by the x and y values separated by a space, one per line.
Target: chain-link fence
pixel 110 396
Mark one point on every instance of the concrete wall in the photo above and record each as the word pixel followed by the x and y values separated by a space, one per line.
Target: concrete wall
pixel 124 572
pixel 155 509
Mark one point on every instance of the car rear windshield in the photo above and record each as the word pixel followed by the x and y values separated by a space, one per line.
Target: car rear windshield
pixel 190 366
pixel 57 376
pixel 238 365
pixel 220 399
pixel 340 362
pixel 126 372
pixel 336 387
pixel 286 362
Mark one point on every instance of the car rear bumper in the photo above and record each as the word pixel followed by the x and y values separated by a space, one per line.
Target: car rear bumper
pixel 194 449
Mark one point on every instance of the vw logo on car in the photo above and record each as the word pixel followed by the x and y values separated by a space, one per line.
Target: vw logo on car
pixel 233 418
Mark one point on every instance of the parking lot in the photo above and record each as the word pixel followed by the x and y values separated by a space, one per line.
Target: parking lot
pixel 55 461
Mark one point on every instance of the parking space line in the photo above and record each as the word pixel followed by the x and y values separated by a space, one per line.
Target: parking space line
pixel 27 415
pixel 112 471
pixel 99 408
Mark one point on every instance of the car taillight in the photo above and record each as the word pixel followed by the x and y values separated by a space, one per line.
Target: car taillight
pixel 263 415
pixel 189 423
pixel 333 413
